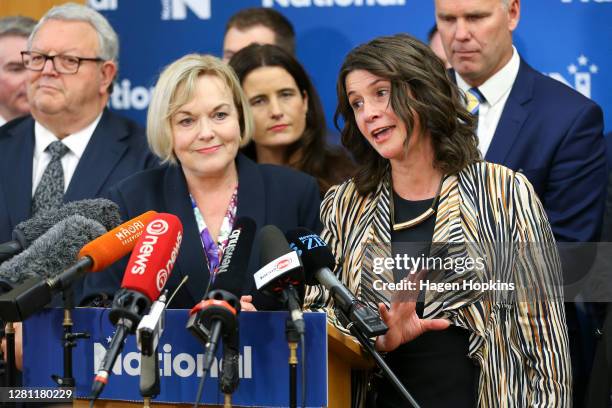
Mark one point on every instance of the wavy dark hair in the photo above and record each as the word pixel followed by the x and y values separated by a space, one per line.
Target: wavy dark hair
pixel 419 86
pixel 329 165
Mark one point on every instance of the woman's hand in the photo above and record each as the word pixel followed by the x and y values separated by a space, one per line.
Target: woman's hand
pixel 18 346
pixel 246 304
pixel 404 325
pixel 403 322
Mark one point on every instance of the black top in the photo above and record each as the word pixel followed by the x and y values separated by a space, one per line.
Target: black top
pixel 434 367
pixel 268 194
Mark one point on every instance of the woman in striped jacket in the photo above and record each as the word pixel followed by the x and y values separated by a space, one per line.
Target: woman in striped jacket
pixel 487 333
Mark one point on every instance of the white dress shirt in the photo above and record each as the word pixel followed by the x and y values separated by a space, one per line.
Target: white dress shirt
pixel 496 91
pixel 2 120
pixel 76 143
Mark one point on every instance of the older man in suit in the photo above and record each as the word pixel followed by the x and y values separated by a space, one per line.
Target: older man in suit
pixel 71 147
pixel 530 123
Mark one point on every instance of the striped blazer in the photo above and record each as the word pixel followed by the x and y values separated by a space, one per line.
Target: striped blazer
pixel 520 346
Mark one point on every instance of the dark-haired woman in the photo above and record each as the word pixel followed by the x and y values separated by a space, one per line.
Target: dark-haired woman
pixel 289 121
pixel 420 179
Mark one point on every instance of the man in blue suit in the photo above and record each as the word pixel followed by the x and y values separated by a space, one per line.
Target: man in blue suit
pixel 71 60
pixel 530 123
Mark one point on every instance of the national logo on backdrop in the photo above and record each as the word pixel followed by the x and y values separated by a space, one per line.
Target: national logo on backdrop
pixel 332 3
pixel 177 9
pixel 580 74
pixel 586 1
pixel 103 5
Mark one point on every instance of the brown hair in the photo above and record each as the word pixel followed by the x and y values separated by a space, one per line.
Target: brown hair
pixel 283 29
pixel 329 165
pixel 419 86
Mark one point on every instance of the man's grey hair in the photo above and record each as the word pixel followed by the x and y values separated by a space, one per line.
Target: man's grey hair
pixel 108 40
pixel 18 26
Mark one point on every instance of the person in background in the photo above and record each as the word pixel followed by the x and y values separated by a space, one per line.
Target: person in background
pixel 289 120
pixel 420 179
pixel 14 33
pixel 70 147
pixel 197 121
pixel 259 25
pixel 517 109
pixel 435 43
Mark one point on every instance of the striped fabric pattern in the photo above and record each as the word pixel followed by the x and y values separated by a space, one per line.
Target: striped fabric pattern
pixel 521 347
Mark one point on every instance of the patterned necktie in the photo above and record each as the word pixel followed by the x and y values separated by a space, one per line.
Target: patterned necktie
pixel 49 193
pixel 474 99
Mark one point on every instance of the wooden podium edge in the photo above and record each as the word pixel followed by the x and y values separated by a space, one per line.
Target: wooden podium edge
pixel 347 348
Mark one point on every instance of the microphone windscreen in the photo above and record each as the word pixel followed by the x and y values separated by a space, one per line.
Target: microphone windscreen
pixel 101 210
pixel 273 244
pixel 154 255
pixel 313 250
pixel 116 243
pixel 53 251
pixel 231 274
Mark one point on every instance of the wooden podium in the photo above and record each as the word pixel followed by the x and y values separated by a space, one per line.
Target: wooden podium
pixel 344 355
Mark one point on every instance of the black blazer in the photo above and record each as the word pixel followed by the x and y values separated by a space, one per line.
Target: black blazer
pixel 117 149
pixel 268 194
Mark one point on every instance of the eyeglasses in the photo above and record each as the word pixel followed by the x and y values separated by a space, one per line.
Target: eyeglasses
pixel 63 64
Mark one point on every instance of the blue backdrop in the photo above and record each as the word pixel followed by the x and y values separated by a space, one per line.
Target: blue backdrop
pixel 571 40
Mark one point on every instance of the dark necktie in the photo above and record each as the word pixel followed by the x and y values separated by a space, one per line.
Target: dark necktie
pixel 49 193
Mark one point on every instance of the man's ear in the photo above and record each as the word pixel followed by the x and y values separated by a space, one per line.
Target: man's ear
pixel 108 73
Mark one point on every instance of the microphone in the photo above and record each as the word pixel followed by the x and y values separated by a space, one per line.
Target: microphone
pixel 282 273
pixel 215 315
pixel 101 210
pixel 147 272
pixel 97 254
pixel 319 261
pixel 51 252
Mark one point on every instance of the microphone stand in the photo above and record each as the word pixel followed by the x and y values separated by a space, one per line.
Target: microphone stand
pixel 365 342
pixel 11 369
pixel 229 379
pixel 67 380
pixel 149 364
pixel 292 340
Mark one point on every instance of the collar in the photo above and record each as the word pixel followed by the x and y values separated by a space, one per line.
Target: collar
pixel 76 142
pixel 2 120
pixel 499 84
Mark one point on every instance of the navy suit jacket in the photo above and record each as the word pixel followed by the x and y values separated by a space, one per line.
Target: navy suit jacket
pixel 116 150
pixel 268 194
pixel 554 135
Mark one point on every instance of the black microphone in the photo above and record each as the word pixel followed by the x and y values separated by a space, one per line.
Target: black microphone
pixel 216 315
pixel 46 257
pixel 145 276
pixel 282 274
pixel 319 261
pixel 101 210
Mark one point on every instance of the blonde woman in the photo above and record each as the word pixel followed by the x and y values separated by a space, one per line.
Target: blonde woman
pixel 197 121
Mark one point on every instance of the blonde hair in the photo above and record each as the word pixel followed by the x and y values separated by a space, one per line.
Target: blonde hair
pixel 176 87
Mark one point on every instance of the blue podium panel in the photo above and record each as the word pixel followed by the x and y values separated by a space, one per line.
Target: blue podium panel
pixel 264 370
